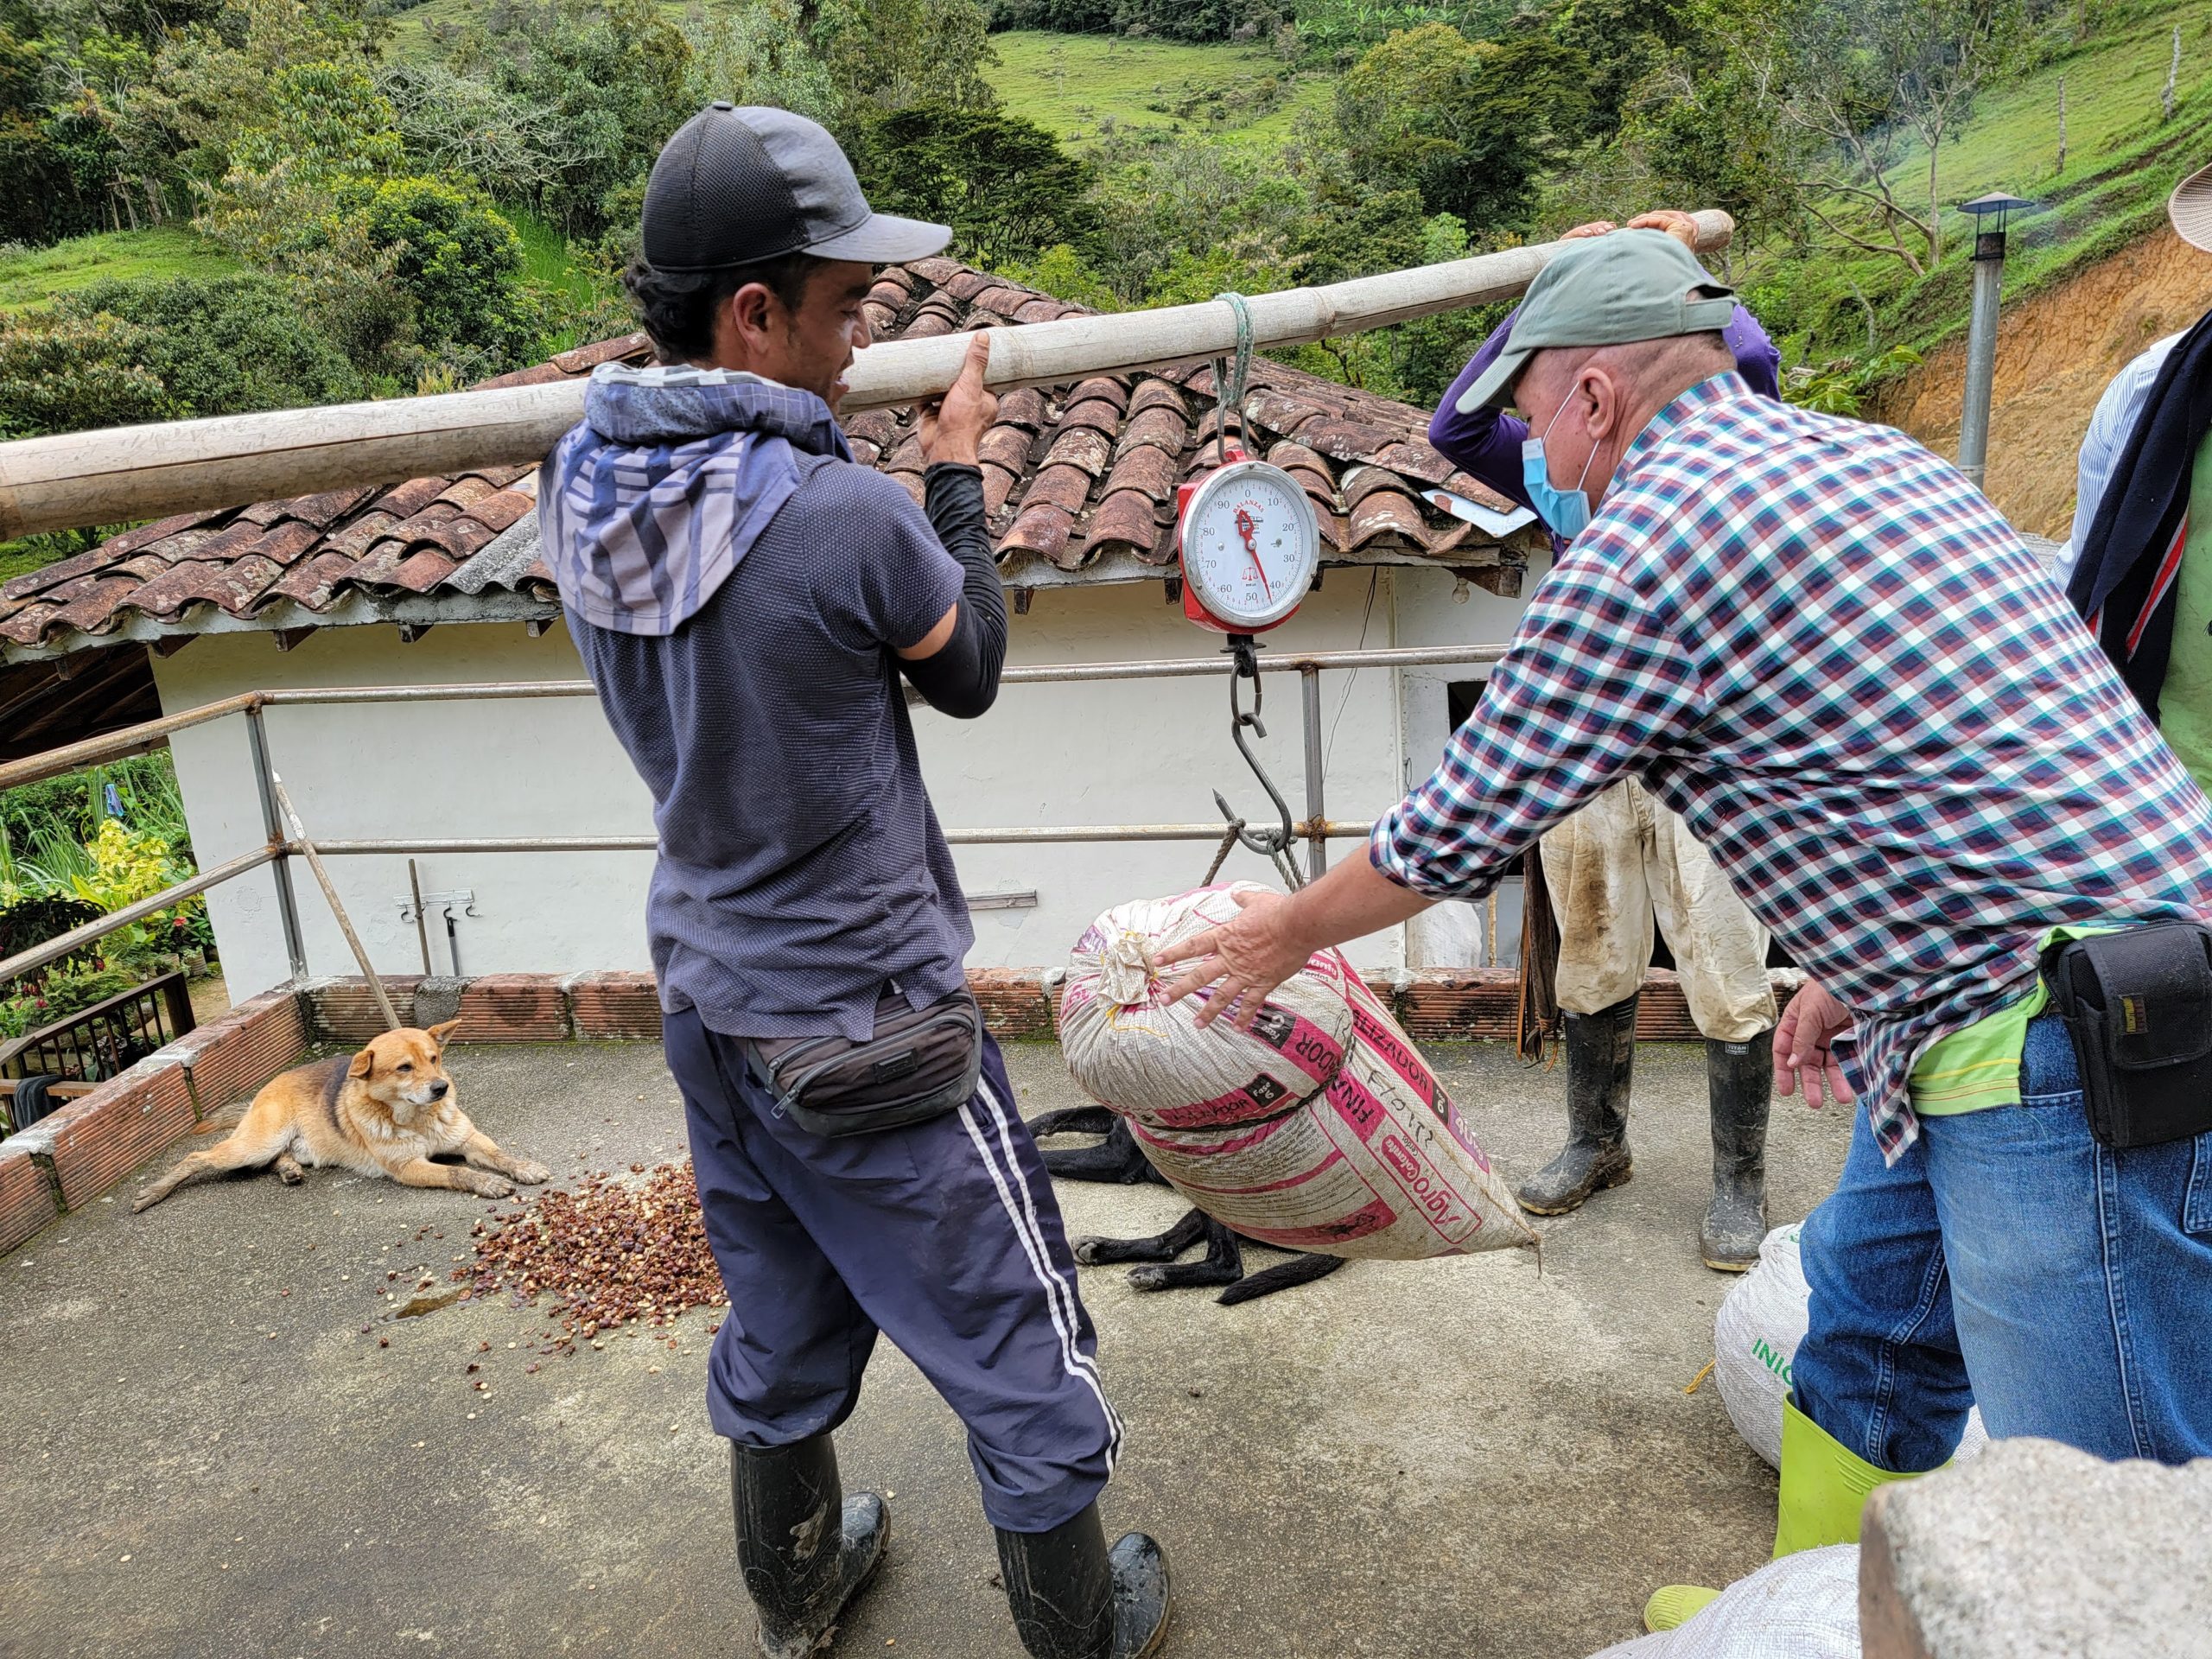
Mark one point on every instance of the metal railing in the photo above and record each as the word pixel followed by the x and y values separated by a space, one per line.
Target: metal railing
pixel 1316 829
pixel 107 1037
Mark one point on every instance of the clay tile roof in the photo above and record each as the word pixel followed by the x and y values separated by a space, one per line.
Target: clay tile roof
pixel 1075 477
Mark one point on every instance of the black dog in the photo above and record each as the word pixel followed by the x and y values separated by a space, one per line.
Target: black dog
pixel 1119 1159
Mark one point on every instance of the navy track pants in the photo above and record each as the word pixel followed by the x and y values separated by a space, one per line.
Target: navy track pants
pixel 944 1235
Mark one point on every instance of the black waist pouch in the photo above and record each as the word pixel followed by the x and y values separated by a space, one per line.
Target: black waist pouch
pixel 2137 1004
pixel 921 1064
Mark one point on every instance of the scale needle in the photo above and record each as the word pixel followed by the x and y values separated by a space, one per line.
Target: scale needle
pixel 1249 531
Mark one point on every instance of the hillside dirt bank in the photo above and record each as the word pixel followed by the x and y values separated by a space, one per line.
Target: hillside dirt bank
pixel 2056 352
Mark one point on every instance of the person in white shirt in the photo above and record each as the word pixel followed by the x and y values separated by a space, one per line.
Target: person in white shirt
pixel 2109 425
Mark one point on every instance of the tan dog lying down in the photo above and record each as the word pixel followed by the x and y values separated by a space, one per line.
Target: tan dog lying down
pixel 387 1110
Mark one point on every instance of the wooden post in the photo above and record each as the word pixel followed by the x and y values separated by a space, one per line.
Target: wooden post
pixel 338 910
pixel 146 471
pixel 2173 74
pixel 2061 124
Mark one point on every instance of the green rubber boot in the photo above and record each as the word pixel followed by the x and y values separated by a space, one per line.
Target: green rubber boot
pixel 1824 1490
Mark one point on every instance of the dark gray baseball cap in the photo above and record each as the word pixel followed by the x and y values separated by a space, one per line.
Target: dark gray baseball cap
pixel 737 185
pixel 1610 290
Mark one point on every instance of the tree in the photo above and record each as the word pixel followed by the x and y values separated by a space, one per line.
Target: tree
pixel 613 76
pixel 892 54
pixel 222 347
pixel 1864 76
pixel 1702 124
pixel 457 260
pixel 65 374
pixel 1624 43
pixel 1004 185
pixel 1468 125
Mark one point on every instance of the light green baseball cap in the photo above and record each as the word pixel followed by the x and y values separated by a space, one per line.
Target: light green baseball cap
pixel 1609 290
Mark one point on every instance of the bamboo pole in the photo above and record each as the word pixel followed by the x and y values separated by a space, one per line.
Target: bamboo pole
pixel 130 473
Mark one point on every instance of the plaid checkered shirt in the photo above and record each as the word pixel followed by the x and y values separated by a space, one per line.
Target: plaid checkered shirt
pixel 1821 646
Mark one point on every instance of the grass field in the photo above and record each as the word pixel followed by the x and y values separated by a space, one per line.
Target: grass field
pixel 1075 85
pixel 2112 104
pixel 31 276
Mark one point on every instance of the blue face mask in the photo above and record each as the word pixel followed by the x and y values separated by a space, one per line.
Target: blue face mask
pixel 1567 512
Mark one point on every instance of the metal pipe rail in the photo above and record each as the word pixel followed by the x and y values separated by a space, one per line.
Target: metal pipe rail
pixel 77 938
pixel 137 739
pixel 1315 829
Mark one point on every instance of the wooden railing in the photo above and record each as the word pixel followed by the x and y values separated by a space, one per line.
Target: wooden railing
pixel 107 1037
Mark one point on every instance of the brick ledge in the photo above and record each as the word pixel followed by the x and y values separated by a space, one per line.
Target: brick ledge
pixel 70 1158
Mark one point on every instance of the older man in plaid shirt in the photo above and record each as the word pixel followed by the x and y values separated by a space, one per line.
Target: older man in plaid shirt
pixel 1820 644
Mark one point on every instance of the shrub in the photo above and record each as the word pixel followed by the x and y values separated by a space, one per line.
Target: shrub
pixel 457 260
pixel 227 347
pixel 66 374
pixel 1004 184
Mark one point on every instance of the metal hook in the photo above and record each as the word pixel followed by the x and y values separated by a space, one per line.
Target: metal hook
pixel 1273 845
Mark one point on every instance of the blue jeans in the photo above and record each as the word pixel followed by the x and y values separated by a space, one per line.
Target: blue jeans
pixel 2008 1260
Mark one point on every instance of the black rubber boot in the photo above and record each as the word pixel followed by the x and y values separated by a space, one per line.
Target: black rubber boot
pixel 1740 1079
pixel 805 1550
pixel 1074 1599
pixel 1600 1056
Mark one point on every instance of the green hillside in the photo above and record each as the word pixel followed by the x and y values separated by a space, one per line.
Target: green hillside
pixel 2122 160
pixel 1074 86
pixel 30 277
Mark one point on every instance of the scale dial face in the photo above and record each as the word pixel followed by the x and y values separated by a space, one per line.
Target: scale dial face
pixel 1250 543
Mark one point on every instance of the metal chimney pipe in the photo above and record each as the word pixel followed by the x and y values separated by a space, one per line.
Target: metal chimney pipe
pixel 1981 355
pixel 1990 212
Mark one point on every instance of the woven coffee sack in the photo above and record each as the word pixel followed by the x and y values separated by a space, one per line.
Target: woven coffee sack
pixel 1151 1063
pixel 1372 1160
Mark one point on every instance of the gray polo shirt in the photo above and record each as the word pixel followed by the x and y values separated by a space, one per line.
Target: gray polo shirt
pixel 801 864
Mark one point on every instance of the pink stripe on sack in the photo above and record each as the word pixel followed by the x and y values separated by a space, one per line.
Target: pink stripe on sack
pixel 1312 1049
pixel 1212 1148
pixel 1369 1218
pixel 1431 1192
pixel 1465 1137
pixel 1306 1045
pixel 1238 1106
pixel 1284 1185
pixel 1356 1106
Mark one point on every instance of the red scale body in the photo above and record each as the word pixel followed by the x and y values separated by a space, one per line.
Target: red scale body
pixel 1194 611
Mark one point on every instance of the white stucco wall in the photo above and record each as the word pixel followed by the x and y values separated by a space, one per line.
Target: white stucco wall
pixel 1115 751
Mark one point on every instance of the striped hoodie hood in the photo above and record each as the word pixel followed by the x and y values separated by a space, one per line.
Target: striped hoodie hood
pixel 647 506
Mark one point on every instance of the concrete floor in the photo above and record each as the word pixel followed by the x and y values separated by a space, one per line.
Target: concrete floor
pixel 205 1453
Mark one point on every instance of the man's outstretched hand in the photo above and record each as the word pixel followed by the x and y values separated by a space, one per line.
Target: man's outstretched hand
pixel 952 425
pixel 1244 959
pixel 1809 1024
pixel 1673 220
pixel 1272 937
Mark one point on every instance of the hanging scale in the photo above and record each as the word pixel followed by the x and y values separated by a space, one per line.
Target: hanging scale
pixel 1249 547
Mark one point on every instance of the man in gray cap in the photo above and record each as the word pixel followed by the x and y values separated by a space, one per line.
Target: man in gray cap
pixel 1821 646
pixel 751 605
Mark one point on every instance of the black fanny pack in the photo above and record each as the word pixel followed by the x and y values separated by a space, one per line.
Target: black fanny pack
pixel 921 1064
pixel 2137 1004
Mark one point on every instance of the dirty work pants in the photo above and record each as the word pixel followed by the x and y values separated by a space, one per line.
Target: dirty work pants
pixel 944 1235
pixel 2007 1260
pixel 1613 865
